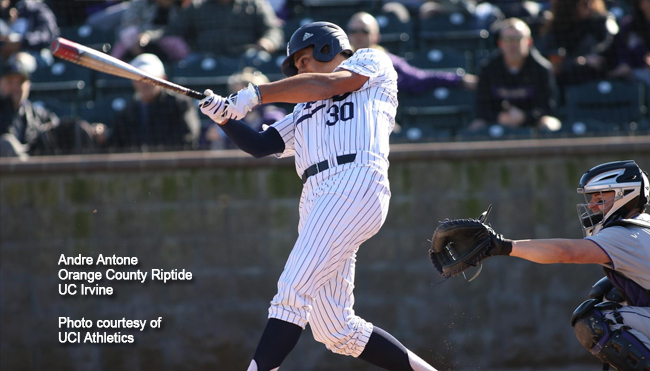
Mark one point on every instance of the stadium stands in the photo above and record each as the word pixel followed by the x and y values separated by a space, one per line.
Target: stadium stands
pixel 103 109
pixel 443 57
pixel 63 80
pixel 612 103
pixel 205 72
pixel 396 35
pixel 59 107
pixel 444 41
pixel 268 64
pixel 441 112
pixel 462 31
pixel 89 36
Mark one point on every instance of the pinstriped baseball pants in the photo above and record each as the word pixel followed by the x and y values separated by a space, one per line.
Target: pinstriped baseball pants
pixel 339 210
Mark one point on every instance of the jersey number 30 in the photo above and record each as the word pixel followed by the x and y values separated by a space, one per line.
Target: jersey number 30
pixel 344 112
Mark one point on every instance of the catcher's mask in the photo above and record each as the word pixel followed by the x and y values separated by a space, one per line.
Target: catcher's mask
pixel 327 39
pixel 612 190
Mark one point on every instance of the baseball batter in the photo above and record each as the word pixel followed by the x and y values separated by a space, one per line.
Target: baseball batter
pixel 338 133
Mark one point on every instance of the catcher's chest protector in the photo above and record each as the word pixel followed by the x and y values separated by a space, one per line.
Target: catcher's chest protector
pixel 634 294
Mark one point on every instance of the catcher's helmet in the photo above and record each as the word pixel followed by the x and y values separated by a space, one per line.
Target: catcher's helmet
pixel 626 180
pixel 327 39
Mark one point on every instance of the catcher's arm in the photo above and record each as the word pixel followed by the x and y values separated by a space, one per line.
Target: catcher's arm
pixel 560 251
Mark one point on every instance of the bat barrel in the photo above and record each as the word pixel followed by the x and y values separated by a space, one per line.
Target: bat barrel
pixel 98 61
pixel 64 49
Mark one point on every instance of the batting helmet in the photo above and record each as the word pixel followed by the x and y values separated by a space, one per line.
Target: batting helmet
pixel 327 39
pixel 629 184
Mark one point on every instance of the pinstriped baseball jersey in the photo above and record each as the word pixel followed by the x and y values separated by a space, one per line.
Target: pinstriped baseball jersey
pixel 358 122
pixel 341 207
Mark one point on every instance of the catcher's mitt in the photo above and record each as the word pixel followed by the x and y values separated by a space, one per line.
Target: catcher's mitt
pixel 462 243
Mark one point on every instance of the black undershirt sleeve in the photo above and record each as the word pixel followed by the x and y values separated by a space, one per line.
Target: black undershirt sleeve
pixel 256 143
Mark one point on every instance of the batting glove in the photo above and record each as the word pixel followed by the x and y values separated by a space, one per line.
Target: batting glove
pixel 242 102
pixel 212 106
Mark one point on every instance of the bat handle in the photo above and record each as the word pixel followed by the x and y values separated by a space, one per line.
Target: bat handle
pixel 194 94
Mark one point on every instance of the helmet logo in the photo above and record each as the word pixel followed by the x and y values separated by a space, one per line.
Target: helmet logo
pixel 306 36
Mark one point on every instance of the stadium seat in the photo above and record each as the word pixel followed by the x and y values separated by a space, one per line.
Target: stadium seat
pixel 460 30
pixel 440 58
pixel 89 36
pixel 104 109
pixel 479 57
pixel 647 103
pixel 60 108
pixel 496 132
pixel 292 24
pixel 63 80
pixel 439 110
pixel 606 101
pixel 589 127
pixel 268 64
pixel 396 36
pixel 105 84
pixel 205 72
pixel 619 8
pixel 338 14
pixel 422 133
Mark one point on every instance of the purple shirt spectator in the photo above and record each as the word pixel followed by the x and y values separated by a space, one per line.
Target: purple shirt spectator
pixel 413 80
pixel 630 46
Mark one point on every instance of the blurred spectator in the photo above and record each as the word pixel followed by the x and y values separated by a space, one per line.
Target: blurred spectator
pixel 579 37
pixel 155 119
pixel 632 44
pixel 108 19
pixel 532 12
pixel 483 13
pixel 516 86
pixel 282 8
pixel 32 27
pixel 430 8
pixel 24 128
pixel 149 16
pixel 260 117
pixel 228 27
pixel 398 10
pixel 517 8
pixel 330 2
pixel 75 135
pixel 74 13
pixel 363 31
pixel 70 13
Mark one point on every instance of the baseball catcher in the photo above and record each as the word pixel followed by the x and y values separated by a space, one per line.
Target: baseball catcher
pixel 614 324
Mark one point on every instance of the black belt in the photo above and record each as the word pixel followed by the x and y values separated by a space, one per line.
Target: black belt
pixel 324 165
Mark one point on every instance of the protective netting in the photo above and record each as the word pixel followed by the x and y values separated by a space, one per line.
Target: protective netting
pixel 468 70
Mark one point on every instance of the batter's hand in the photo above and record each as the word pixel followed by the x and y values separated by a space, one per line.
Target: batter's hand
pixel 212 106
pixel 242 102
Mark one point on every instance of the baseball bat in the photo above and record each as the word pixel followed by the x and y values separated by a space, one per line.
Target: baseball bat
pixel 98 61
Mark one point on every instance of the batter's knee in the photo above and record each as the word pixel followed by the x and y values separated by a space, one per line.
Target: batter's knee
pixel 335 342
pixel 348 339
